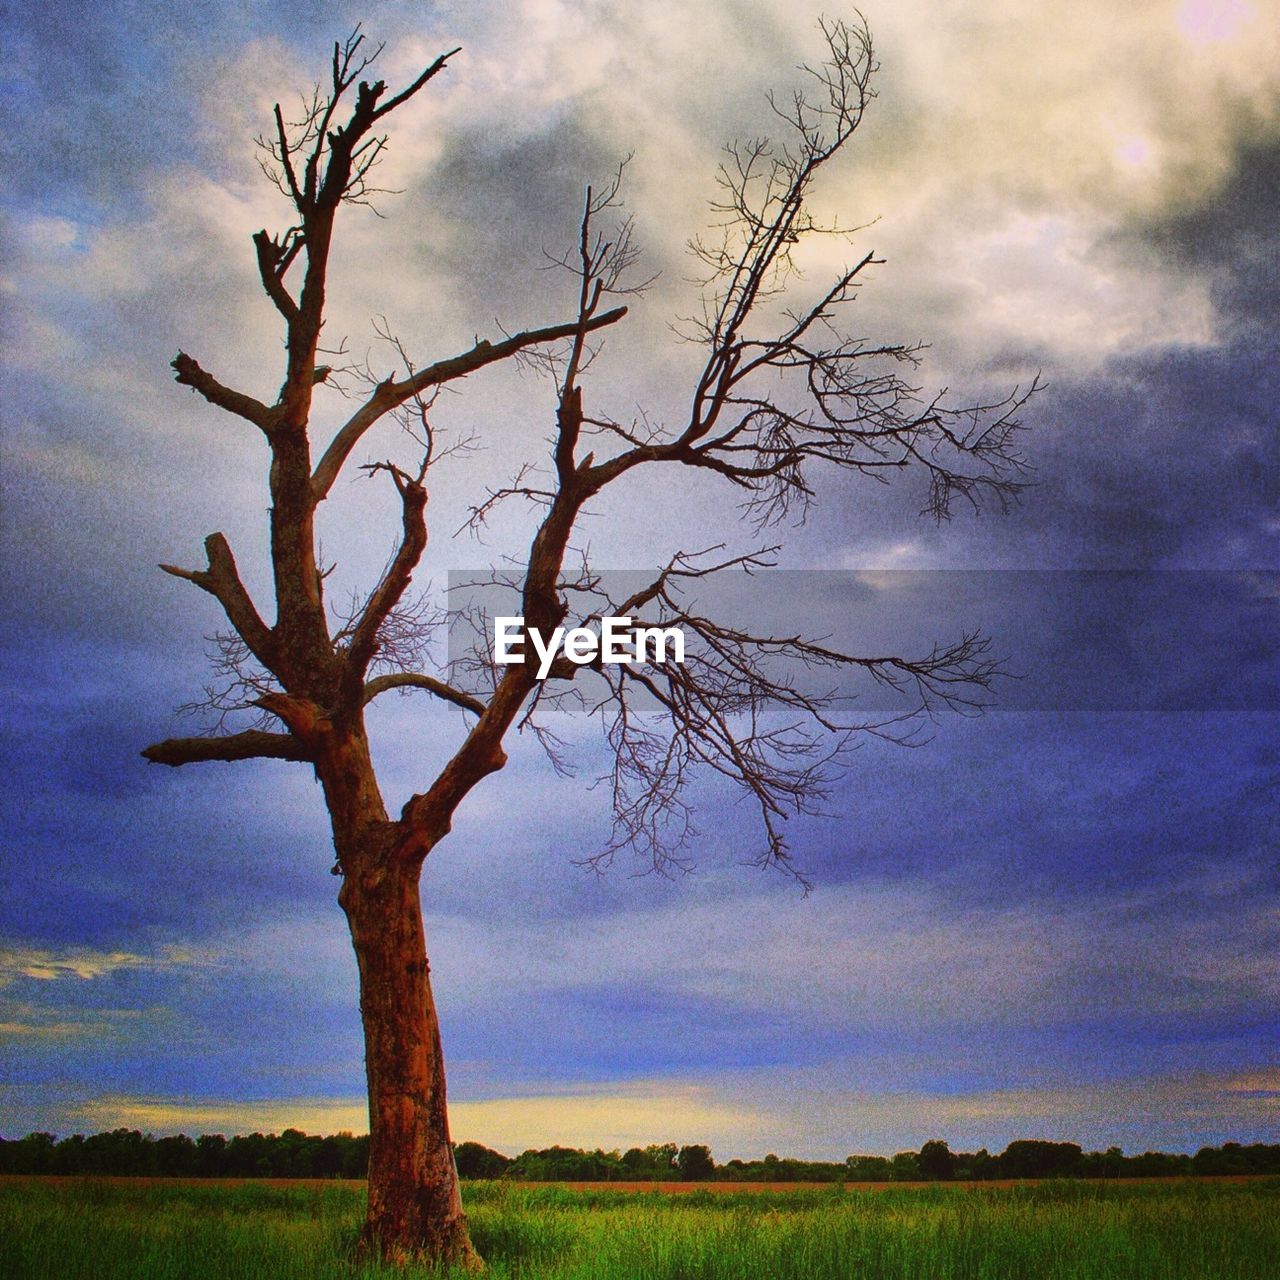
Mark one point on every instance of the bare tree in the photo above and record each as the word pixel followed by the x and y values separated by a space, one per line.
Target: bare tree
pixel 779 393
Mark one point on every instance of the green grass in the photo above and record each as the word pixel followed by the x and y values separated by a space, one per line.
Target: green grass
pixel 77 1229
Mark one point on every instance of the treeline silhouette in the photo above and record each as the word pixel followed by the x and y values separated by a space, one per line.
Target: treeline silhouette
pixel 293 1154
pixel 935 1161
pixel 128 1153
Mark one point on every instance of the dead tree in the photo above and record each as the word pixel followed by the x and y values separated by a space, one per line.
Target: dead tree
pixel 779 394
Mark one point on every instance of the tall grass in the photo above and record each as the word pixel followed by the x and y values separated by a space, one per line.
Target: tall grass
pixel 82 1229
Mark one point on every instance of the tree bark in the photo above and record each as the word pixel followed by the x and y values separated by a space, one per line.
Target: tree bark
pixel 415 1207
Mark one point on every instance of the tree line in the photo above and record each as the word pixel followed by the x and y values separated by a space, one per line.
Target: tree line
pixel 294 1154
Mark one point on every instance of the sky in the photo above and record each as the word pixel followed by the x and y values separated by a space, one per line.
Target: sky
pixel 1059 919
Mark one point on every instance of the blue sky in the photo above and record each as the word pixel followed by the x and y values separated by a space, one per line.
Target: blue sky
pixel 1059 919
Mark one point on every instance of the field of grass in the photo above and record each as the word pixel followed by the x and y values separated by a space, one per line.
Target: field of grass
pixel 74 1229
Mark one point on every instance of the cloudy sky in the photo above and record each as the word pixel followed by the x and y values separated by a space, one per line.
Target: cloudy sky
pixel 1060 919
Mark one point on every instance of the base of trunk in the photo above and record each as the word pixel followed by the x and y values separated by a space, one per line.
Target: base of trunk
pixel 448 1245
pixel 415 1204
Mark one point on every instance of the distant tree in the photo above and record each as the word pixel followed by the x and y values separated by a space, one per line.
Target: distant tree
pixel 867 1168
pixel 983 1165
pixel 564 1164
pixel 355 1157
pixel 476 1161
pixel 936 1161
pixel 1262 1157
pixel 658 1160
pixel 211 1150
pixel 177 1156
pixel 68 1156
pixel 695 1163
pixel 328 1157
pixel 35 1154
pixel 1160 1164
pixel 781 392
pixel 292 1154
pixel 1033 1158
pixel 122 1151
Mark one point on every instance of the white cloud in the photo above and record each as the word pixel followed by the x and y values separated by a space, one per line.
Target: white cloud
pixel 227 1116
pixel 609 1117
pixel 1216 21
pixel 85 963
pixel 829 1112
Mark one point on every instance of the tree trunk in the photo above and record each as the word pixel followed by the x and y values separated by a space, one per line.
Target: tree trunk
pixel 415 1208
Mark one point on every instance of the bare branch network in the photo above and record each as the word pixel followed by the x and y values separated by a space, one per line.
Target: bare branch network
pixel 771 712
pixel 782 391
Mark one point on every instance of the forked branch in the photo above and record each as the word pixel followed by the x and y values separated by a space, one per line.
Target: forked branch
pixel 775 399
pixel 399 572
pixel 222 581
pixel 390 394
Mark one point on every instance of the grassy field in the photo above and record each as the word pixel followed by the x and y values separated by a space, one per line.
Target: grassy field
pixel 74 1229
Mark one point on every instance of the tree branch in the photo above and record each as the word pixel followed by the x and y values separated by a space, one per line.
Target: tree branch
pixel 222 581
pixel 274 259
pixel 188 373
pixel 434 69
pixel 253 744
pixel 386 595
pixel 390 394
pixel 415 680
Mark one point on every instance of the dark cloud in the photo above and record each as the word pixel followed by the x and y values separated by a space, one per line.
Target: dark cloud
pixel 1158 460
pixel 510 197
pixel 1233 233
pixel 1056 807
pixel 1173 457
